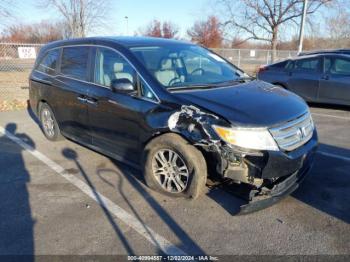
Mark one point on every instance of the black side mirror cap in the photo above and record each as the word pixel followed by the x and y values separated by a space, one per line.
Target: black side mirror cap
pixel 122 85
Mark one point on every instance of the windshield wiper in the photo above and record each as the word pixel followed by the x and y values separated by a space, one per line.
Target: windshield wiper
pixel 210 85
pixel 194 86
pixel 242 79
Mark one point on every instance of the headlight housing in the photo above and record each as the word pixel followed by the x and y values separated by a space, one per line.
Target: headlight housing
pixel 250 138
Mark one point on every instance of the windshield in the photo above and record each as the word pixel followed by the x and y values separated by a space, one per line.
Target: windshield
pixel 179 66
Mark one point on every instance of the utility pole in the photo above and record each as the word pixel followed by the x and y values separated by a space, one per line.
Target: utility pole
pixel 301 34
pixel 127 24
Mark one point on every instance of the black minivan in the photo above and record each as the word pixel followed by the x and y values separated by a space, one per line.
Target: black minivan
pixel 179 111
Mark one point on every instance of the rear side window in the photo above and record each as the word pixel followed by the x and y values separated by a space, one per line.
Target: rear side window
pixel 341 67
pixel 307 64
pixel 48 64
pixel 75 62
pixel 290 65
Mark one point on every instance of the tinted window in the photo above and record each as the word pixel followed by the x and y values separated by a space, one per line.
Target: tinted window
pixel 307 64
pixel 75 62
pixel 110 66
pixel 327 64
pixel 49 62
pixel 290 65
pixel 341 67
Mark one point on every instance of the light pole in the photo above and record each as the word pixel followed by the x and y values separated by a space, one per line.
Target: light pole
pixel 301 34
pixel 127 24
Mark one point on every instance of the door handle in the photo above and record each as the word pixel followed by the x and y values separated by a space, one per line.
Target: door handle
pixel 326 77
pixel 82 99
pixel 91 101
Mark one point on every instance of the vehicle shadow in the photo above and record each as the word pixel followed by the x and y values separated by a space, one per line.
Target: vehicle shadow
pixel 228 197
pixel 16 222
pixel 73 156
pixel 324 188
pixel 135 178
pixel 132 176
pixel 328 106
pixel 327 185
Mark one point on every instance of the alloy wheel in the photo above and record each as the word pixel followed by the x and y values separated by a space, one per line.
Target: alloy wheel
pixel 170 171
pixel 48 122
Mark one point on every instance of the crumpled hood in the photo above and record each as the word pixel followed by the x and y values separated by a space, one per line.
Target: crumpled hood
pixel 255 103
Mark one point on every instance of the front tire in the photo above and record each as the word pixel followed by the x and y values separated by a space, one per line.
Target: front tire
pixel 49 124
pixel 174 167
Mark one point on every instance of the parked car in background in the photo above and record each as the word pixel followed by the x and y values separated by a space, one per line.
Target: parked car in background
pixel 327 51
pixel 322 78
pixel 176 110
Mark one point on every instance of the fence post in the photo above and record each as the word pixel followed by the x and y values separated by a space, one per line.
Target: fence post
pixel 267 56
pixel 239 58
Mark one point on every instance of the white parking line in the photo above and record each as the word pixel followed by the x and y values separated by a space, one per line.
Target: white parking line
pixel 332 116
pixel 128 219
pixel 334 155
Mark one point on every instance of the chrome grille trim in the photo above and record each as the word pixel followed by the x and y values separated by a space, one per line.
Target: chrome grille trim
pixel 293 134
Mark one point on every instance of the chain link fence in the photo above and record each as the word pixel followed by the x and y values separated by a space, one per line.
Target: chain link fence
pixel 251 59
pixel 17 60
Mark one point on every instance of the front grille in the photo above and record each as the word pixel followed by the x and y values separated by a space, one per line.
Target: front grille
pixel 295 133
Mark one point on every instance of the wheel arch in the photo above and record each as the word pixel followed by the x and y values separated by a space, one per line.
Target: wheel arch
pixel 207 157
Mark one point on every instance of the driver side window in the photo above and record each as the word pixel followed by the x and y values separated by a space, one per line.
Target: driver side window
pixel 109 66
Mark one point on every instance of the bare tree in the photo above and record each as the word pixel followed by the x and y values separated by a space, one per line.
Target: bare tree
pixel 263 19
pixel 80 16
pixel 158 29
pixel 42 32
pixel 170 30
pixel 338 24
pixel 207 33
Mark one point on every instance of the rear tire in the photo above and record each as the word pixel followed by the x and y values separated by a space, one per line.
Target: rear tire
pixel 48 123
pixel 168 158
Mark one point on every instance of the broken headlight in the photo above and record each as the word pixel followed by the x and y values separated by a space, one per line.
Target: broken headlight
pixel 250 138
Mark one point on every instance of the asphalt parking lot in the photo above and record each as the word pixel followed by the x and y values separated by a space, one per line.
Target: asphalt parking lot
pixel 61 198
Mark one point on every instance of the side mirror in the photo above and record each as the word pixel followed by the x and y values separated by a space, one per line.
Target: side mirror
pixel 122 85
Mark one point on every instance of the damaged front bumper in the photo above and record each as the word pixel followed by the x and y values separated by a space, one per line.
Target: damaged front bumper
pixel 264 176
pixel 272 175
